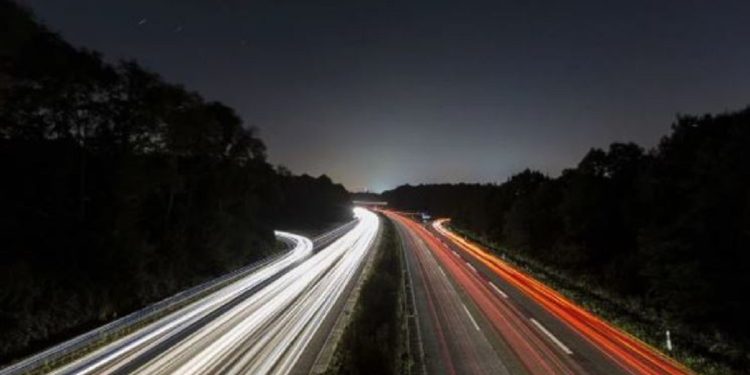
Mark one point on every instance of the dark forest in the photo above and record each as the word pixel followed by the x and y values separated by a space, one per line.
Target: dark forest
pixel 119 189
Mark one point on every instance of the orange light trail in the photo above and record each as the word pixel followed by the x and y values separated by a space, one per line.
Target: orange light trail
pixel 537 356
pixel 629 352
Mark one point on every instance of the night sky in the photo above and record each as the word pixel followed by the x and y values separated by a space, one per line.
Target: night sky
pixel 380 93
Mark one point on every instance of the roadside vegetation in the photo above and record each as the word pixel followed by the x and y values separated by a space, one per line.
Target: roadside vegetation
pixel 374 341
pixel 631 315
pixel 654 240
pixel 120 189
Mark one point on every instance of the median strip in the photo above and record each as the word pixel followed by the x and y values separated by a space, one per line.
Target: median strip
pixel 373 336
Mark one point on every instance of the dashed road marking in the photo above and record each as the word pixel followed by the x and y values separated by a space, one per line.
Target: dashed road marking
pixel 456 254
pixel 551 337
pixel 498 290
pixel 471 317
pixel 472 267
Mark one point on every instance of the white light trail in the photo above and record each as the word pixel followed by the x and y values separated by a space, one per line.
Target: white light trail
pixel 166 327
pixel 264 333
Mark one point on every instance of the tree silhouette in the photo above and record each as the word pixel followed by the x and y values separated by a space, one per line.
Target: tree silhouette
pixel 667 228
pixel 120 189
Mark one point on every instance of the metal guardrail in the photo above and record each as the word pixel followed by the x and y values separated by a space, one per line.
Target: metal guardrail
pixel 55 353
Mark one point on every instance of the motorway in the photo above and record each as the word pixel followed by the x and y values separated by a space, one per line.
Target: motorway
pixel 530 328
pixel 453 342
pixel 259 324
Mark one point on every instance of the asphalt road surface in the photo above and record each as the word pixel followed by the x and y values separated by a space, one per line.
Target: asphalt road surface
pixel 529 327
pixel 453 342
pixel 257 325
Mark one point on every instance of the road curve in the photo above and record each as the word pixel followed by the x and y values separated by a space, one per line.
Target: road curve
pixel 259 324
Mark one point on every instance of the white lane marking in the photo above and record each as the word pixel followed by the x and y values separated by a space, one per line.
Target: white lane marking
pixel 472 267
pixel 500 292
pixel 551 337
pixel 443 272
pixel 456 254
pixel 471 317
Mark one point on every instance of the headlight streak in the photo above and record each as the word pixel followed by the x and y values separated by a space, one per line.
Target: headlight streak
pixel 164 328
pixel 265 332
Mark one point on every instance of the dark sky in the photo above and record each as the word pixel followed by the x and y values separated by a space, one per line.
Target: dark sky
pixel 380 93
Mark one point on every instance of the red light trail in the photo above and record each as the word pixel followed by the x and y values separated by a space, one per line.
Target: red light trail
pixel 539 350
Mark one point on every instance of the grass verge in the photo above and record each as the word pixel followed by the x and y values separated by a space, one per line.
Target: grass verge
pixel 374 340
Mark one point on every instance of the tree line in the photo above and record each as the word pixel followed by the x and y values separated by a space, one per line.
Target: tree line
pixel 667 227
pixel 119 189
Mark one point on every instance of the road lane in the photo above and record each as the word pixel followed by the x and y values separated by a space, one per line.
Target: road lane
pixel 73 348
pixel 181 322
pixel 453 341
pixel 263 332
pixel 522 345
pixel 598 346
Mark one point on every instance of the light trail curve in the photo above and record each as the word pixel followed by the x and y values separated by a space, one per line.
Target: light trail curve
pixel 260 324
pixel 118 352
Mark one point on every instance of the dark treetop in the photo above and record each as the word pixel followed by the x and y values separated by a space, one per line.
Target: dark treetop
pixel 119 189
pixel 380 93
